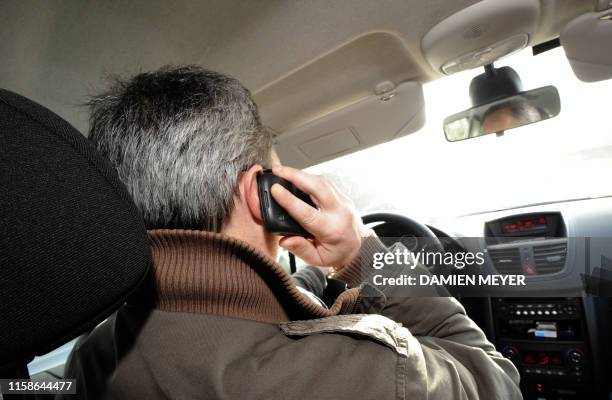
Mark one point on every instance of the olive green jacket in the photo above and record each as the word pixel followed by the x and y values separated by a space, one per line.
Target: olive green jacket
pixel 410 348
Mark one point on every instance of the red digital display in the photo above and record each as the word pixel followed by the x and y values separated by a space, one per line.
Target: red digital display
pixel 542 358
pixel 525 225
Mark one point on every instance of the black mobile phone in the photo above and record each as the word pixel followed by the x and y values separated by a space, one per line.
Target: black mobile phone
pixel 275 218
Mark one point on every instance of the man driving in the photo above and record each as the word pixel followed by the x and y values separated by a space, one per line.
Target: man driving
pixel 508 115
pixel 219 318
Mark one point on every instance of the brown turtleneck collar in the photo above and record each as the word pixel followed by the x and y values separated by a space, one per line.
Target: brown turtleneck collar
pixel 211 273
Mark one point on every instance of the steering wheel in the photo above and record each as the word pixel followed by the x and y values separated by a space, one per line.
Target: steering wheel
pixel 402 225
pixel 405 224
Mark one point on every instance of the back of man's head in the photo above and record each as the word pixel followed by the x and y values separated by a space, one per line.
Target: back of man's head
pixel 179 138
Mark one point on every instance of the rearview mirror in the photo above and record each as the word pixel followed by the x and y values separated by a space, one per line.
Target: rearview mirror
pixel 507 113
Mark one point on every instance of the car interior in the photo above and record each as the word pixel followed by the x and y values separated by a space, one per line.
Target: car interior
pixel 480 126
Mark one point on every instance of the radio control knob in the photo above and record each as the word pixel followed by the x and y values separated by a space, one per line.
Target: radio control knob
pixel 575 356
pixel 510 352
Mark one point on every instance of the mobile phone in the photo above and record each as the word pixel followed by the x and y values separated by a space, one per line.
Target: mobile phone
pixel 275 218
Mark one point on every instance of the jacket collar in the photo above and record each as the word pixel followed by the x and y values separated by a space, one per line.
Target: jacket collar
pixel 211 273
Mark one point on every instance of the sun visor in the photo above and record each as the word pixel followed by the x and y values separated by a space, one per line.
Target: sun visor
pixel 373 120
pixel 587 41
pixel 358 94
pixel 480 34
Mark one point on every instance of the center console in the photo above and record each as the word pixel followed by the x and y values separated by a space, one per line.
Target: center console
pixel 549 339
pixel 546 339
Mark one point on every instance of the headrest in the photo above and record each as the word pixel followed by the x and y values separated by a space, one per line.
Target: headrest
pixel 73 245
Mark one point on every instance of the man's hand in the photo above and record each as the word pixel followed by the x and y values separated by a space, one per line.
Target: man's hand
pixel 336 228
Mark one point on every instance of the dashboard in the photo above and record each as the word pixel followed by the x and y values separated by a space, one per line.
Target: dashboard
pixel 556 245
pixel 555 329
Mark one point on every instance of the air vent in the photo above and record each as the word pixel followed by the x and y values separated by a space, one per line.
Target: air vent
pixel 550 258
pixel 506 261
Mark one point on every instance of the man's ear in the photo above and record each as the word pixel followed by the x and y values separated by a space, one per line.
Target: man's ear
pixel 248 182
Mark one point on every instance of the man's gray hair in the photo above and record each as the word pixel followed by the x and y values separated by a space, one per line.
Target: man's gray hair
pixel 179 137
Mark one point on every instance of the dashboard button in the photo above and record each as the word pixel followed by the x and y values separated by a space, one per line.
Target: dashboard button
pixel 575 356
pixel 510 352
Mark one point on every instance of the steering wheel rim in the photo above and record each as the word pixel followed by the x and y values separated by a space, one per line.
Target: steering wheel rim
pixel 411 225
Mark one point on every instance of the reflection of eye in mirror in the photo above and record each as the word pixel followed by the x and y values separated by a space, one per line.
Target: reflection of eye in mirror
pixel 507 113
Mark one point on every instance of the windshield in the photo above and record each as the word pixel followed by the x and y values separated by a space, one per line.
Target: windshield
pixel 424 176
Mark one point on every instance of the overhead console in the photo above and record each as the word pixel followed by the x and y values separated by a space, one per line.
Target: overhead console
pixel 480 34
pixel 530 244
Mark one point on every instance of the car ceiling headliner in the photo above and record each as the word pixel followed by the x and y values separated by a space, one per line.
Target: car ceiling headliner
pixel 58 52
